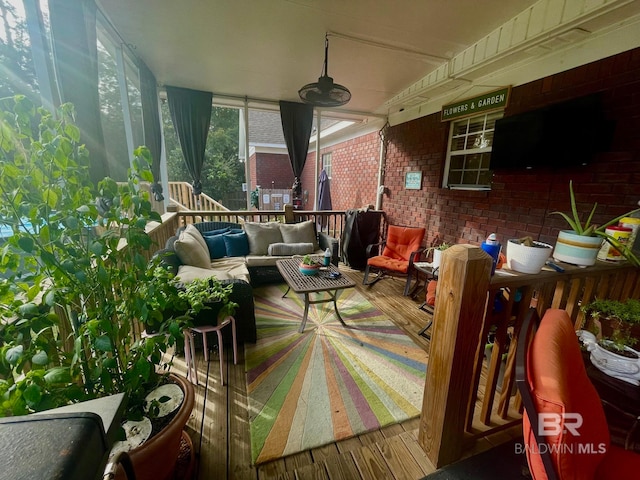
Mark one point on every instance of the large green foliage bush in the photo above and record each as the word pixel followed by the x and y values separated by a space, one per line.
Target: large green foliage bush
pixel 75 279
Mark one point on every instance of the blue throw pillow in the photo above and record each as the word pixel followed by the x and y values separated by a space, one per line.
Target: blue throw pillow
pixel 237 244
pixel 213 233
pixel 217 246
pixel 236 230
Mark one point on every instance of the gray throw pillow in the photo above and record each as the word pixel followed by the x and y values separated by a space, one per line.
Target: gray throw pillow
pixel 261 235
pixel 303 232
pixel 282 249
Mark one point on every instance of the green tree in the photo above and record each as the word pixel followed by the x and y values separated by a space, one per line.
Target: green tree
pixel 111 115
pixel 17 74
pixel 222 172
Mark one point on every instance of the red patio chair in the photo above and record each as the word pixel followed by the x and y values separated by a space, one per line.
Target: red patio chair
pixel 572 441
pixel 402 247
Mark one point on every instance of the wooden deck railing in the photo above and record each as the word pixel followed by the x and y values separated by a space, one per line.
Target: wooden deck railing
pixel 331 222
pixel 203 208
pixel 161 232
pixel 182 197
pixel 466 395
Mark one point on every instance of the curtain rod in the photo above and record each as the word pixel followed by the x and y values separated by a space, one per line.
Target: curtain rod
pixel 242 98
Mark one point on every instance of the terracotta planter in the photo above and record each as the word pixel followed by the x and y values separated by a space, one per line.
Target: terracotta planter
pixel 156 458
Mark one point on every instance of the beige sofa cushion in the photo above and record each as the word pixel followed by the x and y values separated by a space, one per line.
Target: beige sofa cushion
pixel 303 232
pixel 188 273
pixel 270 260
pixel 223 269
pixel 195 233
pixel 261 235
pixel 262 260
pixel 191 251
pixel 235 267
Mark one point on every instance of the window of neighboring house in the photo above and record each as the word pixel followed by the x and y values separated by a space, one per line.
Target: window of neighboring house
pixel 326 163
pixel 469 152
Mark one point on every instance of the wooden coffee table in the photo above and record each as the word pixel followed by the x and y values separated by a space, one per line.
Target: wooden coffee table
pixel 308 284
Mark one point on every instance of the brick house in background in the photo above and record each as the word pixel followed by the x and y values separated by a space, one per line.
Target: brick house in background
pixel 269 159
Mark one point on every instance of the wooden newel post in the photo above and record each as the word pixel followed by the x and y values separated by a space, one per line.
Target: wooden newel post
pixel 288 213
pixel 458 315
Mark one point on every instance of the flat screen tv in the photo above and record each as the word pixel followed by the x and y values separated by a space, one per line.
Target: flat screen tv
pixel 564 134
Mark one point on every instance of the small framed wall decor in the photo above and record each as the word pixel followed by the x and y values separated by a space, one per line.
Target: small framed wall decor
pixel 413 180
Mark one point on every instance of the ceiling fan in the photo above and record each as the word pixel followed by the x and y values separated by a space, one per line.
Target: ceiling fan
pixel 325 93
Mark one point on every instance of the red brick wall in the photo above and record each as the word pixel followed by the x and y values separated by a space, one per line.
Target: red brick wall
pixel 273 170
pixel 519 202
pixel 308 180
pixel 354 177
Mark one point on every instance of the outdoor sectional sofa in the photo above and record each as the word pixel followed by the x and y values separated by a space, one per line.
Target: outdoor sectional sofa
pixel 244 255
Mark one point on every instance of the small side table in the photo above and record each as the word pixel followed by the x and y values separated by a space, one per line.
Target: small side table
pixel 190 349
pixel 425 269
pixel 430 273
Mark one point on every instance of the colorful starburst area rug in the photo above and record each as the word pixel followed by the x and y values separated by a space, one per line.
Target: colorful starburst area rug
pixel 330 382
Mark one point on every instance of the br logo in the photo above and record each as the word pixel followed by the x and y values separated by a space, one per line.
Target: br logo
pixel 553 423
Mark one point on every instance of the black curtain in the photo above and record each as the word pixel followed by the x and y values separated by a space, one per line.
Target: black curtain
pixel 73 33
pixel 191 116
pixel 151 124
pixel 297 121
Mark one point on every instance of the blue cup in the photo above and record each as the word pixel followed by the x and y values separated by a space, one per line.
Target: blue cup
pixel 494 251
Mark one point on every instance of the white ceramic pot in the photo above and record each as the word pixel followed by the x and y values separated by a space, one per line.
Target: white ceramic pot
pixel 576 249
pixel 437 258
pixel 614 365
pixel 524 259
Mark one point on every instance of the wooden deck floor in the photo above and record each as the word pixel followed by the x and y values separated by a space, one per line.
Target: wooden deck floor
pixel 224 452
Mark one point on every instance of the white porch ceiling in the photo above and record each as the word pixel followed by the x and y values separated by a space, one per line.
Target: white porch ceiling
pixel 391 54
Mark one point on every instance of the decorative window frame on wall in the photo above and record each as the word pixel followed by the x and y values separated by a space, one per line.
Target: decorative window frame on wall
pixel 469 153
pixel 327 163
pixel 467 165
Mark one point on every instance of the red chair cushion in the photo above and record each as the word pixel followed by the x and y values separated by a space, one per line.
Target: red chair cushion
pixel 380 261
pixel 559 383
pixel 431 292
pixel 402 241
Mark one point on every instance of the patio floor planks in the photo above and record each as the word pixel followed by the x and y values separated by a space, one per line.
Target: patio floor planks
pixel 392 452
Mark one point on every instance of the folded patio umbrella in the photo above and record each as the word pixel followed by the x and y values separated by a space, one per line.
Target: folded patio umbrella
pixel 324 192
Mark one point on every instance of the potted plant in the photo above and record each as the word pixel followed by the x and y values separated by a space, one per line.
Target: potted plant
pixel 308 266
pixel 614 320
pixel 526 255
pixel 612 331
pixel 437 254
pixel 580 245
pixel 75 283
pixel 613 356
pixel 209 296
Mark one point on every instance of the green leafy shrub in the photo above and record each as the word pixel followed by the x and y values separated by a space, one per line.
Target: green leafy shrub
pixel 75 281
